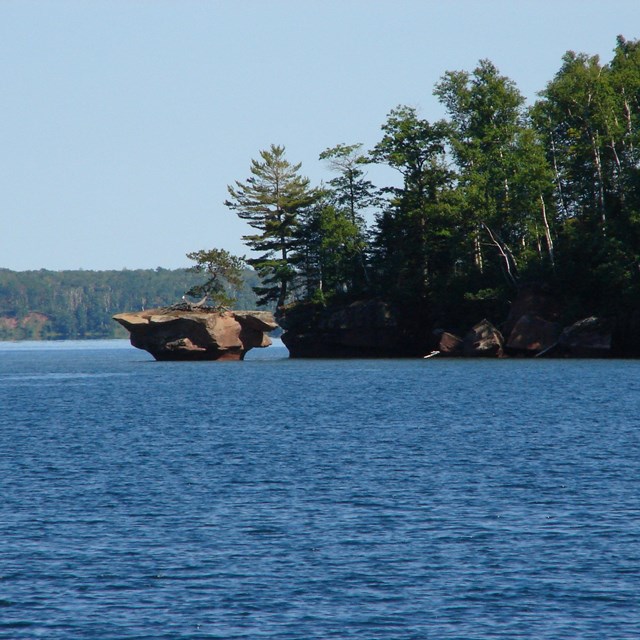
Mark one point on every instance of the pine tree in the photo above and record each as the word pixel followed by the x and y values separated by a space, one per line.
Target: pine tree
pixel 350 195
pixel 224 275
pixel 329 252
pixel 271 201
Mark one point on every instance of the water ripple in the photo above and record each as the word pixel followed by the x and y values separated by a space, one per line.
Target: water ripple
pixel 283 499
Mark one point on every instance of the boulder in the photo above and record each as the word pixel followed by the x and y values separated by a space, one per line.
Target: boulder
pixel 533 334
pixel 450 344
pixel 483 340
pixel 587 338
pixel 534 300
pixel 202 334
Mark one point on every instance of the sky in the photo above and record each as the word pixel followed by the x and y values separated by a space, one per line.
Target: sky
pixel 123 121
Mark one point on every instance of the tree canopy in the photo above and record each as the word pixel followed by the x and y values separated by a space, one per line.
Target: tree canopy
pixel 224 275
pixel 496 194
pixel 271 201
pixel 80 304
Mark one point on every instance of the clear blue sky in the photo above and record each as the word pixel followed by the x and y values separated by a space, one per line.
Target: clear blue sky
pixel 122 121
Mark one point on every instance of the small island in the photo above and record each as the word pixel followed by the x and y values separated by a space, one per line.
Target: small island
pixel 186 332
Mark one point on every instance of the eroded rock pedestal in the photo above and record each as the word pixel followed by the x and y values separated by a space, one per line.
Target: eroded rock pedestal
pixel 203 334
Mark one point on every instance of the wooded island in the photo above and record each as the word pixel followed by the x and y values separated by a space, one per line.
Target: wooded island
pixel 496 197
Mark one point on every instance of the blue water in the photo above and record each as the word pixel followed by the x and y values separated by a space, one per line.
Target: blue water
pixel 287 499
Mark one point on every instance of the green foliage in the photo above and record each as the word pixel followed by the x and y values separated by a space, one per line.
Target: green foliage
pixel 350 195
pixel 329 252
pixel 271 201
pixel 350 191
pixel 414 229
pixel 493 196
pixel 80 304
pixel 503 175
pixel 589 119
pixel 224 275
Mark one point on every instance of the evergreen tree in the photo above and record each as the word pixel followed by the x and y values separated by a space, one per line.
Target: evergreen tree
pixel 350 189
pixel 224 275
pixel 330 247
pixel 351 194
pixel 271 201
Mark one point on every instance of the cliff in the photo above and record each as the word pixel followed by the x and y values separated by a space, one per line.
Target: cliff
pixel 183 332
pixel 361 329
pixel 538 325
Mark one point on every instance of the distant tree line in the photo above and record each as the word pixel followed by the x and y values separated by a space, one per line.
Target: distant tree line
pixel 495 195
pixel 79 304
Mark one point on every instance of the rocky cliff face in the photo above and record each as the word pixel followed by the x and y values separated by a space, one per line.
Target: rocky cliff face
pixel 371 328
pixel 197 334
pixel 362 329
pixel 312 331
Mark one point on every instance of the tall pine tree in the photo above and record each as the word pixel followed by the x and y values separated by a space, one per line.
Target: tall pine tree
pixel 271 201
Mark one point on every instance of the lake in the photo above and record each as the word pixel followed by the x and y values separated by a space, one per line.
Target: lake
pixel 292 499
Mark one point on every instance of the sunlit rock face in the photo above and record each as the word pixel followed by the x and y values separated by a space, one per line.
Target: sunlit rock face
pixel 203 334
pixel 483 340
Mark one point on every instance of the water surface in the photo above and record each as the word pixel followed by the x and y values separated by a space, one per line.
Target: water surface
pixel 278 498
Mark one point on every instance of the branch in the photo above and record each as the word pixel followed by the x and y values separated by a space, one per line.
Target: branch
pixel 505 252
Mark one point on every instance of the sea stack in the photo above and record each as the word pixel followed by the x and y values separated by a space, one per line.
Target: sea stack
pixel 184 333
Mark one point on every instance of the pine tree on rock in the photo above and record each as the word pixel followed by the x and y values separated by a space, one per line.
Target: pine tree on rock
pixel 224 275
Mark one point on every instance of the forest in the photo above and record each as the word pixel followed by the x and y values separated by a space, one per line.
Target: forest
pixel 36 305
pixel 495 195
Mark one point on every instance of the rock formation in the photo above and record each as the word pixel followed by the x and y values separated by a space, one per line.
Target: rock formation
pixel 449 344
pixel 587 338
pixel 536 301
pixel 483 340
pixel 185 333
pixel 533 334
pixel 371 328
pixel 363 329
pixel 533 329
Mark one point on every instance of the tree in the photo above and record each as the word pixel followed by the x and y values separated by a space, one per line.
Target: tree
pixel 328 253
pixel 271 201
pixel 224 275
pixel 576 112
pixel 589 117
pixel 410 231
pixel 350 194
pixel 503 176
pixel 350 189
